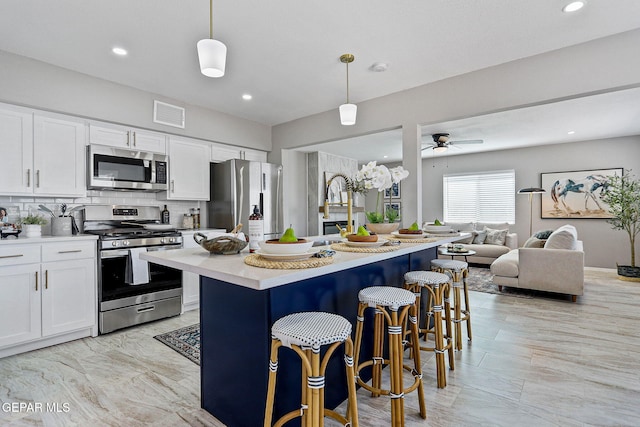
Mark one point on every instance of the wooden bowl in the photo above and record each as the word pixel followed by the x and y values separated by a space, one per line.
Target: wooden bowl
pixel 356 238
pixel 407 231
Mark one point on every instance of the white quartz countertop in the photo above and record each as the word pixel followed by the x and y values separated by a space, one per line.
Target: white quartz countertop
pixel 22 240
pixel 232 269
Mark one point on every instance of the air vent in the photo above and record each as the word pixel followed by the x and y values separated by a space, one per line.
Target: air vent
pixel 167 114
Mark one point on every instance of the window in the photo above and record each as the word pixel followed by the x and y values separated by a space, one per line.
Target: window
pixel 481 197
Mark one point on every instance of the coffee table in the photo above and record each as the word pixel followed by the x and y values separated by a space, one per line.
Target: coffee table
pixel 454 254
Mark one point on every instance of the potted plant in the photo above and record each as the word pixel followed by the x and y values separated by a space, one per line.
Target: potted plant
pixel 32 225
pixel 622 194
pixel 381 178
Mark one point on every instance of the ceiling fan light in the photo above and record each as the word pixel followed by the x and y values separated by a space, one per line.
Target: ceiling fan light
pixel 348 114
pixel 212 55
pixel 440 149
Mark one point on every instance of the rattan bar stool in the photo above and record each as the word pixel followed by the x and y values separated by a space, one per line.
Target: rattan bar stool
pixel 393 306
pixel 437 286
pixel 305 333
pixel 459 270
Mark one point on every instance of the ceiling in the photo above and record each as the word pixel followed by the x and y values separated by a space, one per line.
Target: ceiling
pixel 286 55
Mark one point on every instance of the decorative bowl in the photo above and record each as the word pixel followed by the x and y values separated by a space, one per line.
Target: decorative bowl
pixel 356 238
pixel 383 228
pixel 274 246
pixel 222 245
pixel 430 228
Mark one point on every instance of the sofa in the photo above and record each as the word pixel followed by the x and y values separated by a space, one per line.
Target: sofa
pixel 488 240
pixel 555 265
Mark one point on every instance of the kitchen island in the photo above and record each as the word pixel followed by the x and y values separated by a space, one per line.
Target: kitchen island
pixel 239 303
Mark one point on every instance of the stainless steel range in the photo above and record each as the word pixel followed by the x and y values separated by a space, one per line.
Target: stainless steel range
pixel 132 291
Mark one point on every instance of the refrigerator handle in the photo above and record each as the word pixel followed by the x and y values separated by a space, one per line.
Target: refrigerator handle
pixel 262 203
pixel 264 181
pixel 278 199
pixel 239 217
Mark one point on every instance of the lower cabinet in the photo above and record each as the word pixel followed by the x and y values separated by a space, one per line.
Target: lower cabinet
pixel 47 294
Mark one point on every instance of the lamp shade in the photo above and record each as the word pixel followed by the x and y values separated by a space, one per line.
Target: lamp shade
pixel 440 149
pixel 213 57
pixel 531 190
pixel 348 114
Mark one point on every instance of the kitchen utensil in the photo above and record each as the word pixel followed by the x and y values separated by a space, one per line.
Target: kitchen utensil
pixel 63 208
pixel 43 208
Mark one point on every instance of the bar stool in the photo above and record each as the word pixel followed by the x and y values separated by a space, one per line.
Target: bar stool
pixel 459 270
pixel 305 333
pixel 437 285
pixel 393 306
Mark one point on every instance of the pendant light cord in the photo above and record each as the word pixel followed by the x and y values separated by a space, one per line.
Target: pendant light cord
pixel 211 19
pixel 347 83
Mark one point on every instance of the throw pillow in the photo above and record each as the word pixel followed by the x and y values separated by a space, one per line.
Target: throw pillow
pixel 534 242
pixel 479 237
pixel 495 237
pixel 543 234
pixel 564 237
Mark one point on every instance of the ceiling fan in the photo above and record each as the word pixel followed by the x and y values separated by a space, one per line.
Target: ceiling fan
pixel 441 142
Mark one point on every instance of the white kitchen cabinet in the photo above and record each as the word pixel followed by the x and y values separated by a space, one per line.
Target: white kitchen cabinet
pixel 221 153
pixel 41 155
pixel 128 138
pixel 16 146
pixel 47 294
pixel 59 157
pixel 188 169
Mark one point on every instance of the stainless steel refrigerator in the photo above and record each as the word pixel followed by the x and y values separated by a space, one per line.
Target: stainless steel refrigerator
pixel 236 186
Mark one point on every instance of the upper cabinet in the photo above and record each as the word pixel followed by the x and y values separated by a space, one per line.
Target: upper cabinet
pixel 188 169
pixel 128 138
pixel 41 155
pixel 221 153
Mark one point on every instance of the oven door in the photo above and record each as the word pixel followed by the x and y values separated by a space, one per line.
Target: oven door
pixel 113 287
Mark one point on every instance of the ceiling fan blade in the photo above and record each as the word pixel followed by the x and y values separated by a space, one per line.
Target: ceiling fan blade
pixel 467 141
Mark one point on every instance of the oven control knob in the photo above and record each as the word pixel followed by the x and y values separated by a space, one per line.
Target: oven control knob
pixel 125 243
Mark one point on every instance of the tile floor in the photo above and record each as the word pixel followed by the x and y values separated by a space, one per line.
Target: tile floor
pixel 533 362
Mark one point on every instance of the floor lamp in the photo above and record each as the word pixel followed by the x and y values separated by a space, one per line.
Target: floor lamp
pixel 531 191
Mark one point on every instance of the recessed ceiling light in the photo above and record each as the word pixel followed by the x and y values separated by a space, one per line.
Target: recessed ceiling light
pixel 573 6
pixel 384 157
pixel 119 51
pixel 247 97
pixel 571 132
pixel 379 67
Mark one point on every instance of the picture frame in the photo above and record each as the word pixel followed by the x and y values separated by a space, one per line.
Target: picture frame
pixel 393 192
pixel 397 206
pixel 575 194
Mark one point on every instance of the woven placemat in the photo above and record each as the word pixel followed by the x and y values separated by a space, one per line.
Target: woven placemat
pixel 256 260
pixel 344 248
pixel 392 238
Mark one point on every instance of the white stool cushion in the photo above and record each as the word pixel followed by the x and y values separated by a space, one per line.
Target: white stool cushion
pixel 386 296
pixel 450 264
pixel 311 329
pixel 424 278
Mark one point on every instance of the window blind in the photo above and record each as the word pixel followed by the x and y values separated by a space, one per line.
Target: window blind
pixel 481 197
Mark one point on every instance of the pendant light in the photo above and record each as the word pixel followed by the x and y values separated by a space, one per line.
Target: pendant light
pixel 348 111
pixel 212 53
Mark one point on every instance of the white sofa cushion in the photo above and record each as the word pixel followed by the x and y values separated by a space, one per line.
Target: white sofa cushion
pixel 534 242
pixel 506 265
pixel 479 237
pixel 565 237
pixel 495 237
pixel 494 225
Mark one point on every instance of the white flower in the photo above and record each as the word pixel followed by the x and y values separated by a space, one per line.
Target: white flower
pixel 398 174
pixel 379 177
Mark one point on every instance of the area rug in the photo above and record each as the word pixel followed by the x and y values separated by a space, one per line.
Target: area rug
pixel 185 341
pixel 481 280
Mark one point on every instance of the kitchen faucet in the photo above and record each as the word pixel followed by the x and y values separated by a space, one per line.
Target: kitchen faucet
pixel 349 199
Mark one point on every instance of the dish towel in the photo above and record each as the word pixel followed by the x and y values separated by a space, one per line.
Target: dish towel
pixel 137 270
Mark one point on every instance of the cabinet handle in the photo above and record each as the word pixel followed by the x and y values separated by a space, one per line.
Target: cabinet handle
pixel 173 186
pixel 38 178
pixel 28 177
pixel 70 252
pixel 144 309
pixel 46 279
pixel 128 139
pixel 36 280
pixel 11 256
pixel 134 139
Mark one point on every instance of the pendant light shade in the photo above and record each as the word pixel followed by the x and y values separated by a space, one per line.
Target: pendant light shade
pixel 212 54
pixel 213 57
pixel 348 114
pixel 348 111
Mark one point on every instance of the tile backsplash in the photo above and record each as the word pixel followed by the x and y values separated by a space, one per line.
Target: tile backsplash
pixel 177 208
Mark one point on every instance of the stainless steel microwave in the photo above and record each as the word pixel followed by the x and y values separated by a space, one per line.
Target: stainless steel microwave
pixel 110 168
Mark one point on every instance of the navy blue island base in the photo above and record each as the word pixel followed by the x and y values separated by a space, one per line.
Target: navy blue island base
pixel 235 333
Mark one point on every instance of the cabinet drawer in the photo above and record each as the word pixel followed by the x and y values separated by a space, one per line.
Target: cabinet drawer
pixel 19 254
pixel 68 250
